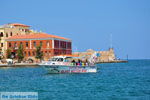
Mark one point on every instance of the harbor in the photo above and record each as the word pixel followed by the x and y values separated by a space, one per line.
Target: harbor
pixel 36 64
pixel 30 47
pixel 75 50
pixel 117 80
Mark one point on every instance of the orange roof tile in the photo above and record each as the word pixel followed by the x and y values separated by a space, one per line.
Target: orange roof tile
pixel 18 24
pixel 37 36
pixel 70 55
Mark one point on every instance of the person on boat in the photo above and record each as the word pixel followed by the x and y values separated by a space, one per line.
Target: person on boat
pixel 86 62
pixel 79 61
pixel 83 63
pixel 73 62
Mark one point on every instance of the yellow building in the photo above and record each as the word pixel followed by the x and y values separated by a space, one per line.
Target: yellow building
pixel 9 30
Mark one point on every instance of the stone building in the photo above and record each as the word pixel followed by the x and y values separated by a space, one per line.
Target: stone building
pixel 9 30
pixel 105 56
pixel 51 45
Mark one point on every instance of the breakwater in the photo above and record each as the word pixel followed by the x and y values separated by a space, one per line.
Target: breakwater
pixel 114 61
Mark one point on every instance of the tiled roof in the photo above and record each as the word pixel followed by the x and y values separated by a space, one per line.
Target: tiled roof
pixel 18 24
pixel 36 36
pixel 70 55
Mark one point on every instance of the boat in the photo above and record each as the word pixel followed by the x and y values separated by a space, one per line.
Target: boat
pixel 63 64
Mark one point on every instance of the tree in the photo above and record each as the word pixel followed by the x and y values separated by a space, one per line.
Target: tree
pixel 20 53
pixel 8 53
pixel 39 54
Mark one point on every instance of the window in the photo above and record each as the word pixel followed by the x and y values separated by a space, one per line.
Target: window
pixel 1 34
pixel 61 44
pixel 60 59
pixel 9 44
pixel 34 44
pixel 15 44
pixel 56 43
pixel 64 46
pixel 69 45
pixel 40 43
pixel 1 44
pixel 6 34
pixel 56 51
pixel 26 30
pixel 26 44
pixel 33 53
pixel 29 53
pixel 10 33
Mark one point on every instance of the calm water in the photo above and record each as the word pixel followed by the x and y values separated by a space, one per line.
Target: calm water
pixel 120 81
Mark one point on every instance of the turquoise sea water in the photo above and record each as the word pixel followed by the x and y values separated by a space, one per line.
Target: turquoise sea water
pixel 115 81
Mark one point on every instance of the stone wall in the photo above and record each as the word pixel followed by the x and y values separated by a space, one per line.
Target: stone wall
pixel 105 56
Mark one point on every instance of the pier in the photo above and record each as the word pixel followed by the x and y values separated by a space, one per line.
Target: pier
pixel 114 61
pixel 20 65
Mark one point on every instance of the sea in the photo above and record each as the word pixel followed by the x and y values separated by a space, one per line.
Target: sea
pixel 113 81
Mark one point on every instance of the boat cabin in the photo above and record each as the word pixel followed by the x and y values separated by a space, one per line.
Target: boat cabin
pixel 60 59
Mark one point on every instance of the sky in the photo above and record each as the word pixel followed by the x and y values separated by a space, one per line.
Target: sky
pixel 90 24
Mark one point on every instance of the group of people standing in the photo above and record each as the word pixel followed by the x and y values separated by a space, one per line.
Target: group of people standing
pixel 80 63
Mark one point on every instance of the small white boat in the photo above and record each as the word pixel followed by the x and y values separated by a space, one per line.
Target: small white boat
pixel 61 64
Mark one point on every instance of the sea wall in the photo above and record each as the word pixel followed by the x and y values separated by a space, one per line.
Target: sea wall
pixel 105 56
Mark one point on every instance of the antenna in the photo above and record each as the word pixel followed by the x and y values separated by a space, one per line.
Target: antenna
pixel 127 57
pixel 111 40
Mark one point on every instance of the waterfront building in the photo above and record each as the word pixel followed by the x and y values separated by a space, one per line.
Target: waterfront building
pixel 51 45
pixel 9 30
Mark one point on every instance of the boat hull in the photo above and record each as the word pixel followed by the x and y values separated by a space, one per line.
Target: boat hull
pixel 70 69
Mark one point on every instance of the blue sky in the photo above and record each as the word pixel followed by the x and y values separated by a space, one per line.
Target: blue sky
pixel 89 23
